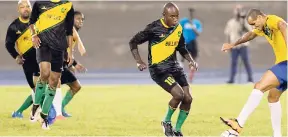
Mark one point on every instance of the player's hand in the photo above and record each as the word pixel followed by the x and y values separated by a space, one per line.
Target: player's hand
pixel 36 41
pixel 70 59
pixel 141 65
pixel 80 68
pixel 227 46
pixel 20 60
pixel 193 65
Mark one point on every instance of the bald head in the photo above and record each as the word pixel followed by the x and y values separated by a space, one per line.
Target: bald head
pixel 171 14
pixel 170 7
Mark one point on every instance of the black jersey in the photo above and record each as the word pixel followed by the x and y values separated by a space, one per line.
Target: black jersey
pixel 163 42
pixel 53 22
pixel 18 33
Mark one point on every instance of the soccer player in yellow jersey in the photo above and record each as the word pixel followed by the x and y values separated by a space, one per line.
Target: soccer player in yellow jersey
pixel 274 29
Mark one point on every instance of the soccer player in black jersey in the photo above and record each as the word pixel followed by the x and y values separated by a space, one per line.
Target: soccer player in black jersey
pixel 50 23
pixel 165 38
pixel 18 33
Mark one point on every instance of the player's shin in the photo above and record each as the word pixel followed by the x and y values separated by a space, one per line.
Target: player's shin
pixel 276 113
pixel 39 92
pixel 181 119
pixel 251 104
pixel 26 104
pixel 184 111
pixel 49 96
pixel 169 114
pixel 68 97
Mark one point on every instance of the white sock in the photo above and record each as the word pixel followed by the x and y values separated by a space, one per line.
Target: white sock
pixel 57 102
pixel 251 104
pixel 33 95
pixel 276 113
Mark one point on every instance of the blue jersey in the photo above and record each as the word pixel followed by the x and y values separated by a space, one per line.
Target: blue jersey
pixel 188 32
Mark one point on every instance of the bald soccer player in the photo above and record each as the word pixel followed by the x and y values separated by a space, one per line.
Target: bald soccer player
pixel 164 38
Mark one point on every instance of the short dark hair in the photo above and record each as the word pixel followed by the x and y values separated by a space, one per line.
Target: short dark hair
pixel 77 12
pixel 253 13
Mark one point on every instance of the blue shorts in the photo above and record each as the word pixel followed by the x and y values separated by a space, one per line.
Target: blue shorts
pixel 280 71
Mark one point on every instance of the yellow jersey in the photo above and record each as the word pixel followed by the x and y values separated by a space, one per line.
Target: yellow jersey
pixel 274 36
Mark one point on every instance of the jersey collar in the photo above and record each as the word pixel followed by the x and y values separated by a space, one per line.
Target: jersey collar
pixel 23 21
pixel 163 23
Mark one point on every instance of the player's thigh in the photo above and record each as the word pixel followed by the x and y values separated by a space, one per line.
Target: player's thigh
pixel 276 77
pixel 67 76
pixel 43 56
pixel 274 95
pixel 268 81
pixel 181 79
pixel 57 60
pixel 165 80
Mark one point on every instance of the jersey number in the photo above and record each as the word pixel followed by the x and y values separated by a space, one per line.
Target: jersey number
pixel 169 80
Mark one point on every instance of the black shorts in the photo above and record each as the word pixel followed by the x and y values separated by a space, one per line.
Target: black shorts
pixel 67 76
pixel 30 67
pixel 192 47
pixel 169 79
pixel 55 57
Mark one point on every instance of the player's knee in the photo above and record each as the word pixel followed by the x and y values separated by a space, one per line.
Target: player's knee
pixel 272 98
pixel 76 88
pixel 178 94
pixel 260 86
pixel 44 74
pixel 188 99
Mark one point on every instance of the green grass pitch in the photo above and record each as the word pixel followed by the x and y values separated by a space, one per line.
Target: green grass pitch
pixel 131 110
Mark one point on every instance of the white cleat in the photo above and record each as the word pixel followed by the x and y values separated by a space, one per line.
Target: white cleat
pixel 36 117
pixel 45 125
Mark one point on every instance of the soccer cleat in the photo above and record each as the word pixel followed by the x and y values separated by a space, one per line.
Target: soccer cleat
pixel 45 124
pixel 167 129
pixel 178 134
pixel 17 115
pixel 233 123
pixel 66 114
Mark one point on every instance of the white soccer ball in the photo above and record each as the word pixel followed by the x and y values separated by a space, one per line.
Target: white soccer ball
pixel 230 133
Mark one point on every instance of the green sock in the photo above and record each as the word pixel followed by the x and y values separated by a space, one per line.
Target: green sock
pixel 27 103
pixel 169 114
pixel 49 96
pixel 181 118
pixel 39 91
pixel 68 97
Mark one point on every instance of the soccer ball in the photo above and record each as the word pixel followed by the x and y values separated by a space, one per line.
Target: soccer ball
pixel 229 133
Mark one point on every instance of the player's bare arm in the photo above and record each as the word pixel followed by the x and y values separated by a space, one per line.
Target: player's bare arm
pixel 10 46
pixel 185 53
pixel 138 39
pixel 69 32
pixel 246 37
pixel 282 25
pixel 79 43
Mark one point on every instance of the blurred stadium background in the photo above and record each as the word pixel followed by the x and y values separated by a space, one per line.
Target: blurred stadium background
pixel 110 25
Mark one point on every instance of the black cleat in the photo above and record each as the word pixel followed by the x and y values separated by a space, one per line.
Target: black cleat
pixel 178 134
pixel 167 129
